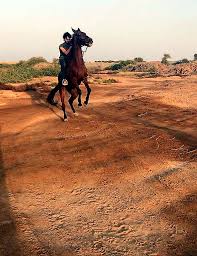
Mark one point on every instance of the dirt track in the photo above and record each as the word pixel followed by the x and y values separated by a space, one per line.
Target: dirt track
pixel 119 179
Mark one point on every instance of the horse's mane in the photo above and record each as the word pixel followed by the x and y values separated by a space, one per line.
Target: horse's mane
pixel 74 44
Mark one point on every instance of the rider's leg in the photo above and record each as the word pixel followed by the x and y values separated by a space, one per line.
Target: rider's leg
pixel 63 70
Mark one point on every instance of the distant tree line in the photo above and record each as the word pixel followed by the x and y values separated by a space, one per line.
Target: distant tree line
pixel 166 57
pixel 165 60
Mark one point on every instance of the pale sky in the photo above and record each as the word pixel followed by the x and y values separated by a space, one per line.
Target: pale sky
pixel 121 29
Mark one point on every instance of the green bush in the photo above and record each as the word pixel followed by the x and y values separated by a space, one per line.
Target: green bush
pixel 21 63
pixel 126 62
pixel 31 62
pixel 23 72
pixel 184 60
pixel 115 67
pixel 138 59
pixel 50 71
pixel 4 65
pixel 121 64
pixel 35 60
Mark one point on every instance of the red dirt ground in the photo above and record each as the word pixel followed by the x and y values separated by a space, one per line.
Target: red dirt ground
pixel 119 179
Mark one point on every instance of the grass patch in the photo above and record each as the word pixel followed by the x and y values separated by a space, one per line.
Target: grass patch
pixel 25 70
pixel 110 81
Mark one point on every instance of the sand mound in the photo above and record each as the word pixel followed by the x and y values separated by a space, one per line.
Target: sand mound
pixel 160 69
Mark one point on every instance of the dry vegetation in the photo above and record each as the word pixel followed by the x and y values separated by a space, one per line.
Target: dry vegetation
pixel 24 71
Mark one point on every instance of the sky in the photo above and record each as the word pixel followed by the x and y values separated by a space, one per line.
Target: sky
pixel 121 29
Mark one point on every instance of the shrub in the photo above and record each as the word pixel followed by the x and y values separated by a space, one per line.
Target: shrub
pixel 55 61
pixel 185 61
pixel 138 59
pixel 195 56
pixel 109 81
pixel 127 62
pixel 115 67
pixel 4 65
pixel 31 62
pixel 50 71
pixel 121 64
pixel 21 63
pixel 181 61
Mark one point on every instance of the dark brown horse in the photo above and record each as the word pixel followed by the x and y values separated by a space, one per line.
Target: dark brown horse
pixel 76 73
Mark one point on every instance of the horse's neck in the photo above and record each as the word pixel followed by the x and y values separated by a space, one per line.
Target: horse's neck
pixel 77 53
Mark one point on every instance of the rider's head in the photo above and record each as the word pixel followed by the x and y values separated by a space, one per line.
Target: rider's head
pixel 67 37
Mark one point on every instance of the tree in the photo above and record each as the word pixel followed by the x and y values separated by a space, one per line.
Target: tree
pixel 165 58
pixel 195 56
pixel 138 59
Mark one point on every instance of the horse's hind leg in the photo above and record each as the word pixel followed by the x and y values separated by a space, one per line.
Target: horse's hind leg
pixel 85 81
pixel 62 91
pixel 74 94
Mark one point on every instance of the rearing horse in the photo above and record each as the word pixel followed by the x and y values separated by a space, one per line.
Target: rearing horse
pixel 76 72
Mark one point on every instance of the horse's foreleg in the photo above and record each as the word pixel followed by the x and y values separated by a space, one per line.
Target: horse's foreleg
pixel 85 81
pixel 79 97
pixel 74 94
pixel 62 96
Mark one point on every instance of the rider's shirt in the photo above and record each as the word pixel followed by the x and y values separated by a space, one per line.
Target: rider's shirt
pixel 66 47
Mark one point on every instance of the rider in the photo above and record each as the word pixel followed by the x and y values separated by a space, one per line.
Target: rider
pixel 64 49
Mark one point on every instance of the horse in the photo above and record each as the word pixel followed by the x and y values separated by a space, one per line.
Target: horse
pixel 76 72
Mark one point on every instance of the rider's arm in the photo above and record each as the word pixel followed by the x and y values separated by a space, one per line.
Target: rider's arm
pixel 65 51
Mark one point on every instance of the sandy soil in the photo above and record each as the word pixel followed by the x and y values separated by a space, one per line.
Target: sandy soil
pixel 119 179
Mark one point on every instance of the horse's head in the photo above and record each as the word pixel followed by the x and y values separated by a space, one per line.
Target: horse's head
pixel 82 38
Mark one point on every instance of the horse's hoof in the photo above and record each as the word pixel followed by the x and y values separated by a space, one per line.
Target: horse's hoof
pixel 76 114
pixel 79 105
pixel 66 119
pixel 86 103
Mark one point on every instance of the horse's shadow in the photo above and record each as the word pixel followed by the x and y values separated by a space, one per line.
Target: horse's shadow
pixel 41 99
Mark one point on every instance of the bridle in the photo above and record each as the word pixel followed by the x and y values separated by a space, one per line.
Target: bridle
pixel 84 50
